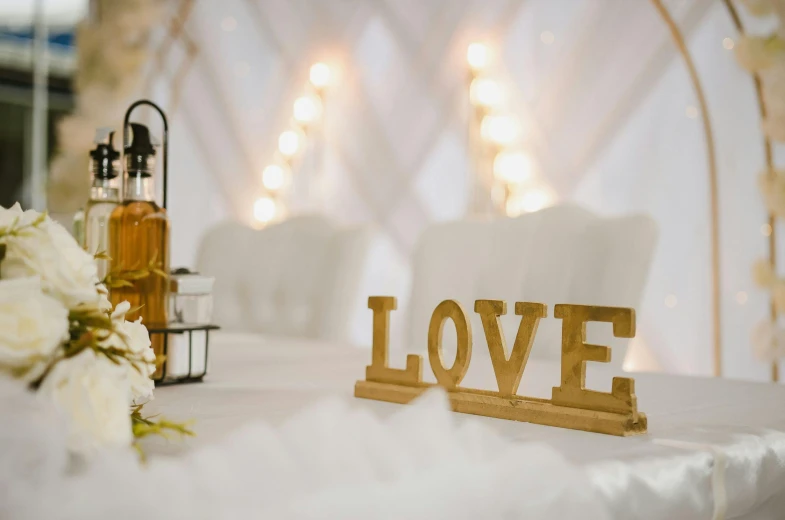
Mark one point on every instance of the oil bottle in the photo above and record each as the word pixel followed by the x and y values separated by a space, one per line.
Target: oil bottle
pixel 104 197
pixel 139 238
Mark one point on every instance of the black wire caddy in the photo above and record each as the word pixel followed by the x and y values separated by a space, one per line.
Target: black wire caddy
pixel 174 332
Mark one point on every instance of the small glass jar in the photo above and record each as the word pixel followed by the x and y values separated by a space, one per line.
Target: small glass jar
pixel 191 298
pixel 191 301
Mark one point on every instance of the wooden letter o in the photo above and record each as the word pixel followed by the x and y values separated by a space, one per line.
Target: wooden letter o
pixel 449 378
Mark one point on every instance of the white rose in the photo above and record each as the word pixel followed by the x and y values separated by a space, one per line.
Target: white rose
pixel 768 341
pixel 759 7
pixel 32 326
pixel 778 296
pixel 763 274
pixel 774 127
pixel 103 298
pixel 92 393
pixel 136 340
pixel 772 188
pixel 140 376
pixel 756 53
pixel 47 250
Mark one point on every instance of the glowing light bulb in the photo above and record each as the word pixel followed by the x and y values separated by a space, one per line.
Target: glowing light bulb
pixel 485 92
pixel 289 142
pixel 547 37
pixel 478 56
pixel 527 201
pixel 728 43
pixel 500 130
pixel 274 176
pixel 671 301
pixel 264 209
pixel 512 167
pixel 320 75
pixel 307 109
pixel 535 200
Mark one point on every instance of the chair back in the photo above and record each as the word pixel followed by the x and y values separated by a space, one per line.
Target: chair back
pixel 297 278
pixel 563 254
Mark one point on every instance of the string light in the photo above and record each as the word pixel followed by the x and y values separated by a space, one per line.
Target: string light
pixel 547 37
pixel 728 43
pixel 289 143
pixel 484 92
pixel 499 129
pixel 274 176
pixel 671 301
pixel 512 167
pixel 265 209
pixel 478 56
pixel 535 200
pixel 527 201
pixel 307 109
pixel 320 75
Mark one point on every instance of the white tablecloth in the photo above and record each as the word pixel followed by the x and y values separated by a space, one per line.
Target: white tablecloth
pixel 714 447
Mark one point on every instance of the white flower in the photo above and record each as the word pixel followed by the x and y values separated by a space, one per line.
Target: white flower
pixel 92 393
pixel 778 295
pixel 141 374
pixel 103 298
pixel 774 127
pixel 763 274
pixel 759 7
pixel 772 189
pixel 133 336
pixel 47 250
pixel 768 341
pixel 32 326
pixel 119 312
pixel 755 53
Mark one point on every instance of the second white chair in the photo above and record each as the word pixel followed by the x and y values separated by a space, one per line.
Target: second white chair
pixel 563 254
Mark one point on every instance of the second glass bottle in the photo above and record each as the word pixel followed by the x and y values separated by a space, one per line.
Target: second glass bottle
pixel 139 238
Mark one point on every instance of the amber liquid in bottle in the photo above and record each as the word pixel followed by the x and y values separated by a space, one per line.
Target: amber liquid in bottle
pixel 139 237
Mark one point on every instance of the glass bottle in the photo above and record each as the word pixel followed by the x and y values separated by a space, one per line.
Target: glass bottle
pixel 104 198
pixel 139 239
pixel 77 227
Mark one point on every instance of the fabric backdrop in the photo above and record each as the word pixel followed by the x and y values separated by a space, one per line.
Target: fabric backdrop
pixel 607 110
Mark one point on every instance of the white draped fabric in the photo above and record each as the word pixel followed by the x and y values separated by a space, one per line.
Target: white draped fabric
pixel 604 107
pixel 279 436
pixel 715 449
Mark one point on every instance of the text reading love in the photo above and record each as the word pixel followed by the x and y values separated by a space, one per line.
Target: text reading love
pixel 571 404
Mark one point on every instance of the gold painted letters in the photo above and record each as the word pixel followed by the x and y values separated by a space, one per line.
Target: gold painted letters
pixel 571 406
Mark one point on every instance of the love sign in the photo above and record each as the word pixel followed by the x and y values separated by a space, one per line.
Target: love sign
pixel 571 404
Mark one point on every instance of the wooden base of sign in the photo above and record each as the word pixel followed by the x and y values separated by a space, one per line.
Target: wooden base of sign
pixel 514 408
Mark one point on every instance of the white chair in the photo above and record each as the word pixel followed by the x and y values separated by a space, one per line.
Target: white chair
pixel 298 278
pixel 563 254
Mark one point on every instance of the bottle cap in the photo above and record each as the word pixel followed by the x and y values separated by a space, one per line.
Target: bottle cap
pixel 140 152
pixel 104 155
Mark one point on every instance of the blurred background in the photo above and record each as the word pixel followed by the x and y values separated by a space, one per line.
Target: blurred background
pixel 401 113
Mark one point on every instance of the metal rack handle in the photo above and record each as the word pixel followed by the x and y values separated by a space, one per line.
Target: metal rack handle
pixel 165 138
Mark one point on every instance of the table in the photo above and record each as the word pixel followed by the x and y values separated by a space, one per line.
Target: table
pixel 715 448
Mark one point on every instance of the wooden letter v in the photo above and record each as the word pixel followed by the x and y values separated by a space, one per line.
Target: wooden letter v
pixel 509 369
